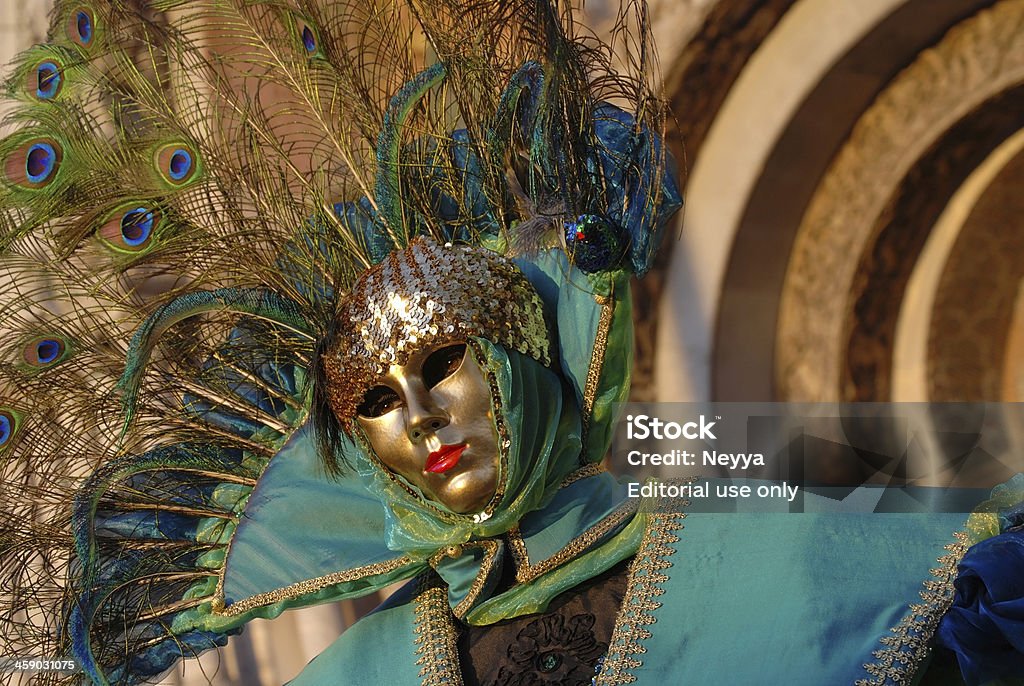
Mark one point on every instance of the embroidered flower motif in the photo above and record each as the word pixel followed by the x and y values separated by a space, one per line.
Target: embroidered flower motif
pixel 553 649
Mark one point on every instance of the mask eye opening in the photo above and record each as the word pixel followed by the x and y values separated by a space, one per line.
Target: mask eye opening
pixel 378 401
pixel 443 363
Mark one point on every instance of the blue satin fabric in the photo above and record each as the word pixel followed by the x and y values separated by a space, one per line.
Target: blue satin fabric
pixel 378 650
pixel 985 626
pixel 571 299
pixel 293 523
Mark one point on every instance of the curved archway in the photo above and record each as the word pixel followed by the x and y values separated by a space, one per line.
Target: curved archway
pixel 816 188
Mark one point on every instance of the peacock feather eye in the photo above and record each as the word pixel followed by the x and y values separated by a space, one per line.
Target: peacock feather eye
pixel 137 226
pixel 130 229
pixel 44 352
pixel 81 26
pixel 308 37
pixel 176 163
pixel 48 80
pixel 6 428
pixel 180 164
pixel 40 162
pixel 35 163
pixel 9 421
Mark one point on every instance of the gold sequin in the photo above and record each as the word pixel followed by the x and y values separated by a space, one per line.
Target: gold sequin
pixel 423 295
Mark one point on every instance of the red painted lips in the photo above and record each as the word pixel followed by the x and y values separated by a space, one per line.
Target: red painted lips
pixel 443 459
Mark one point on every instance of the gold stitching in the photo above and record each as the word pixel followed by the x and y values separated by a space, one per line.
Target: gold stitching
pixel 486 566
pixel 587 470
pixel 909 644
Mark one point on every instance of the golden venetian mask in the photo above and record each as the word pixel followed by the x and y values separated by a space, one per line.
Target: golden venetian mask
pixel 430 421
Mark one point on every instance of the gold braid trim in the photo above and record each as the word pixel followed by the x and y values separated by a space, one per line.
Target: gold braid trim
pixel 525 572
pixel 299 589
pixel 586 471
pixel 436 639
pixel 896 664
pixel 491 548
pixel 604 324
pixel 639 604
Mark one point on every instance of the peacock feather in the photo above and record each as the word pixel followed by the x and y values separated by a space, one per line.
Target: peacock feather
pixel 190 187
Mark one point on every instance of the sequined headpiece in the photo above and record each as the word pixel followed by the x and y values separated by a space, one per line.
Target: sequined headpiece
pixel 426 294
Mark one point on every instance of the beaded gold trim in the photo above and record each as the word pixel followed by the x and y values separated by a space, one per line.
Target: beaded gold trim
pixel 436 639
pixel 504 439
pixel 896 664
pixel 604 324
pixel 299 589
pixel 525 572
pixel 639 604
pixel 491 548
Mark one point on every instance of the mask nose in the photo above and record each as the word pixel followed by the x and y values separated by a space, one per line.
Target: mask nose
pixel 425 416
